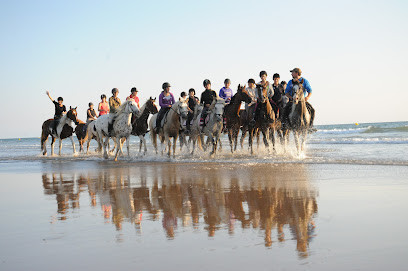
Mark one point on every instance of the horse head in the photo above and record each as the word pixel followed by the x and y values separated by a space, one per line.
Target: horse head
pixel 72 114
pixel 182 108
pixel 151 106
pixel 298 91
pixel 262 93
pixel 217 108
pixel 242 94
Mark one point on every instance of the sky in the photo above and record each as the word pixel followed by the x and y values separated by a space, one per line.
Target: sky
pixel 354 53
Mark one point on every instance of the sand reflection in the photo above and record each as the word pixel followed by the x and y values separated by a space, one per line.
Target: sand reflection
pixel 276 200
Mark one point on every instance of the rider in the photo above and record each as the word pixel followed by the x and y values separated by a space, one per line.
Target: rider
pixel 191 102
pixel 59 110
pixel 166 100
pixel 279 93
pixel 133 95
pixel 90 113
pixel 114 101
pixel 250 108
pixel 296 75
pixel 266 83
pixel 226 92
pixel 103 106
pixel 207 98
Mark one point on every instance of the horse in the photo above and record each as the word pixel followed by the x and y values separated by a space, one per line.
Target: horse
pixel 264 120
pixel 122 126
pixel 140 127
pixel 65 129
pixel 195 133
pixel 213 129
pixel 171 127
pixel 232 115
pixel 299 118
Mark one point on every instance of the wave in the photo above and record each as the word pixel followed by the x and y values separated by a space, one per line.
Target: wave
pixel 359 141
pixel 374 129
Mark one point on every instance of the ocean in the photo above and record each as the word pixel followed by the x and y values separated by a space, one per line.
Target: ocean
pixel 366 143
pixel 341 206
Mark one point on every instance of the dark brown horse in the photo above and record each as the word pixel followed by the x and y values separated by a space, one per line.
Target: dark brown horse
pixel 64 130
pixel 298 118
pixel 232 115
pixel 81 131
pixel 264 119
pixel 140 126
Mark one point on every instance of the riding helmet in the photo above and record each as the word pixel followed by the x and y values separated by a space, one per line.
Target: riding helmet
pixel 206 82
pixel 165 85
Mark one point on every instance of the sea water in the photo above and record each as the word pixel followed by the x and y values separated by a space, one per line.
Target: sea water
pixel 367 143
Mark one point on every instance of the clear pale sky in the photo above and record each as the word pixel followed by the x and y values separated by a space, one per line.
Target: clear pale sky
pixel 354 53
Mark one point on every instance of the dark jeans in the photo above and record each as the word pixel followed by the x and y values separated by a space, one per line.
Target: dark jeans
pixel 160 116
pixel 204 114
pixel 190 117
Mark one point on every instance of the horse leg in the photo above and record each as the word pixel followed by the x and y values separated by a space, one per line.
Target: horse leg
pixel 296 136
pixel 236 139
pixel 154 140
pixel 174 146
pixel 128 146
pixel 73 145
pixel 44 138
pixel 272 137
pixel 250 140
pixel 243 135
pixel 118 147
pixel 230 139
pixel 265 134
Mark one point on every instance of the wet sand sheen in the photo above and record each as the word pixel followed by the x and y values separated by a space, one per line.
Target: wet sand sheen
pixel 181 216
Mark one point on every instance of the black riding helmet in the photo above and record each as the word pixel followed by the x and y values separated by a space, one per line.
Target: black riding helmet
pixel 165 85
pixel 206 82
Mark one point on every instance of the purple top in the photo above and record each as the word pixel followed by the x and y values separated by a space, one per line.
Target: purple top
pixel 226 94
pixel 165 101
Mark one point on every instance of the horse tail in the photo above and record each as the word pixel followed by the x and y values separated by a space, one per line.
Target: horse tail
pixel 44 133
pixel 199 142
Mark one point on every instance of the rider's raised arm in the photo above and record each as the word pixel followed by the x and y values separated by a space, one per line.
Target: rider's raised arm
pixel 48 94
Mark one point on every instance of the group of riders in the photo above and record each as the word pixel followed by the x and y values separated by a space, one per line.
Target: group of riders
pixel 279 94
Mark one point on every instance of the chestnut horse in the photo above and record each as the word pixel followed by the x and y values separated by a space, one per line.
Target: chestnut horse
pixel 65 129
pixel 171 127
pixel 140 127
pixel 232 115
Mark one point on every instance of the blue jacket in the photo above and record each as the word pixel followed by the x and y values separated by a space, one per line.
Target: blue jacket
pixel 306 86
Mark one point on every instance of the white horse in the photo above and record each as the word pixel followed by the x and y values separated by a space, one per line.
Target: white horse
pixel 171 126
pixel 195 134
pixel 122 126
pixel 213 129
pixel 65 129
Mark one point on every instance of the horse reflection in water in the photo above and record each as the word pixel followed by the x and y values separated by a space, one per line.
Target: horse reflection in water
pixel 218 200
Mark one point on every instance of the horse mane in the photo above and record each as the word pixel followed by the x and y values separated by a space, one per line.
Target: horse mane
pixel 123 106
pixel 144 106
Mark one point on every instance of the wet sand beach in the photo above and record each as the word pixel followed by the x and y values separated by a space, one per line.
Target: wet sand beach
pixel 101 215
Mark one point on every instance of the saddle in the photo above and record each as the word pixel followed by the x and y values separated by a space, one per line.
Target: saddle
pixel 203 122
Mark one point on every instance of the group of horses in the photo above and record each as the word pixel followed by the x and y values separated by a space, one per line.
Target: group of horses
pixel 130 120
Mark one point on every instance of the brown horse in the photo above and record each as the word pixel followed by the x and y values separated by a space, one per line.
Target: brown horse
pixel 232 115
pixel 264 119
pixel 171 127
pixel 140 127
pixel 64 130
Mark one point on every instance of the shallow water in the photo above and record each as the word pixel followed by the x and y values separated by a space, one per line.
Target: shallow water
pixel 101 215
